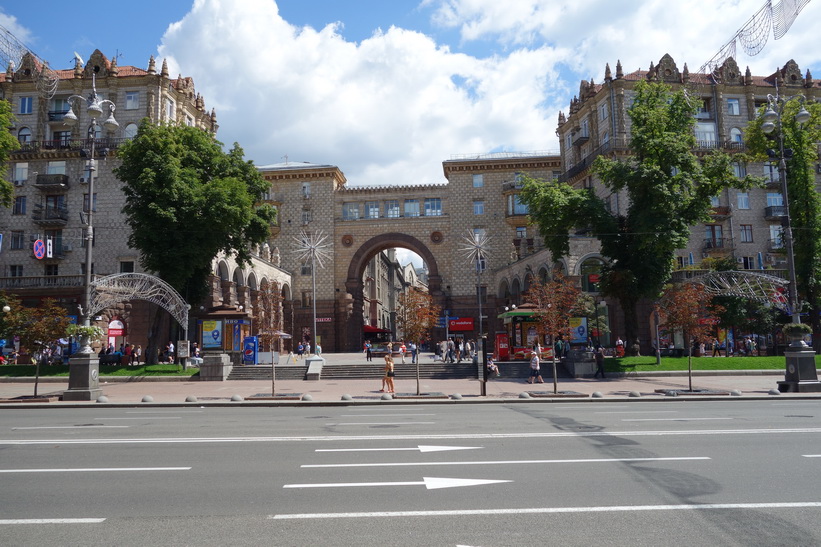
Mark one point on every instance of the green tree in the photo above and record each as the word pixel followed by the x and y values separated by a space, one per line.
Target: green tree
pixel 37 328
pixel 7 144
pixel 801 151
pixel 416 317
pixel 186 200
pixel 668 189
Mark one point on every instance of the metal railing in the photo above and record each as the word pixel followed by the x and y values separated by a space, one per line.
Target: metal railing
pixel 69 144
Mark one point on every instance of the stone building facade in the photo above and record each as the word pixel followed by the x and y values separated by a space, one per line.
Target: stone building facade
pixel 50 176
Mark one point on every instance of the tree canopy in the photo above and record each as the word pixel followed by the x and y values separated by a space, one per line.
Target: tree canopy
pixel 801 155
pixel 667 187
pixel 7 144
pixel 186 200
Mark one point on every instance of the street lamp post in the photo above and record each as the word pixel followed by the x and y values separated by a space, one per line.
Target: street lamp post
pixel 83 381
pixel 475 250
pixel 801 374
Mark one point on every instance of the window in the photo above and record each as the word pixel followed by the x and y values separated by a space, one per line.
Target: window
pixel 776 240
pixel 16 270
pixel 478 181
pixel 306 299
pixel 680 262
pixel 774 199
pixel 704 111
pixel 433 207
pixel 371 209
pixel 306 269
pixel 521 232
pixel 19 207
pixel 603 111
pixel 743 200
pixel 85 202
pixel 705 132
pixel 605 138
pixel 126 266
pixel 568 141
pixel 17 239
pixel 736 135
pixel 21 173
pixel 715 201
pixel 132 100
pixel 130 131
pixel 171 111
pixel 747 263
pixel 62 138
pixel 51 270
pixel 392 208
pixel 518 180
pixel 306 190
pixel 591 272
pixel 307 217
pixel 746 233
pixel 771 172
pixel 515 206
pixel 24 135
pixel 189 121
pixel 56 168
pixel 350 211
pixel 479 207
pixel 26 105
pixel 739 170
pixel 585 127
pixel 733 107
pixel 411 207
pixel 713 237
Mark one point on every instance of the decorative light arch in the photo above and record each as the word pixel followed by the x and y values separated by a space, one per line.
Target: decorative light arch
pixel 745 284
pixel 112 289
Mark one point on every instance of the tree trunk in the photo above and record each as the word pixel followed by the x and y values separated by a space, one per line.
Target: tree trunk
pixel 631 322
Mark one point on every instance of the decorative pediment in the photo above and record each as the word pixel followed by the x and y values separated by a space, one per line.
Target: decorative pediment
pixel 667 71
pixel 97 64
pixel 791 74
pixel 730 73
pixel 29 68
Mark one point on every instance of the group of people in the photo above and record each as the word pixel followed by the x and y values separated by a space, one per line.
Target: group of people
pixel 403 350
pixel 454 350
pixel 303 349
pixel 131 353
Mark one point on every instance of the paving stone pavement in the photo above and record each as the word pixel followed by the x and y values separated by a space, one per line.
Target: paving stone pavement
pixel 168 391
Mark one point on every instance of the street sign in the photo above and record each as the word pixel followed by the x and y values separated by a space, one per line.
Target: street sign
pixel 39 249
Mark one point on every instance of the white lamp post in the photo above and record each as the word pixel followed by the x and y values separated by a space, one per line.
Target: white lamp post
pixel 313 247
pixel 94 109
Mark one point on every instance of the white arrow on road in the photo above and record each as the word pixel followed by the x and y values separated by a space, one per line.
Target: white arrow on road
pixel 420 448
pixel 431 483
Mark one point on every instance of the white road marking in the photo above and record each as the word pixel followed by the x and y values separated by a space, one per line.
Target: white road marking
pixel 549 510
pixel 153 418
pixel 378 423
pixel 812 455
pixel 381 415
pixel 431 483
pixel 416 437
pixel 421 448
pixel 505 462
pixel 672 419
pixel 73 427
pixel 51 521
pixel 163 411
pixel 94 469
pixel 640 412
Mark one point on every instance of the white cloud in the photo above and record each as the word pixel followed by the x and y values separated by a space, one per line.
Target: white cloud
pixel 389 109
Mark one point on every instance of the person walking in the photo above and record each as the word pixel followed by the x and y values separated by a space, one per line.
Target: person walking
pixel 368 346
pixel 402 349
pixel 412 348
pixel 599 355
pixel 535 369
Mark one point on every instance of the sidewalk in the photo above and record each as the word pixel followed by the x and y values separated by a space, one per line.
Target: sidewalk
pixel 176 390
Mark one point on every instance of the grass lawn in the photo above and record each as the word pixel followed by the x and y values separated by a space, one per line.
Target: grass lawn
pixel 105 370
pixel 640 364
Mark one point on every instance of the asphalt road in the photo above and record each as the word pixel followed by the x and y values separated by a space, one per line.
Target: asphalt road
pixel 615 473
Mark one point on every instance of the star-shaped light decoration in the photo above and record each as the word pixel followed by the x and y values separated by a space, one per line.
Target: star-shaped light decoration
pixel 313 247
pixel 476 246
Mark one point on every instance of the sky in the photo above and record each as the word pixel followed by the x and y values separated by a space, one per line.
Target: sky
pixel 387 90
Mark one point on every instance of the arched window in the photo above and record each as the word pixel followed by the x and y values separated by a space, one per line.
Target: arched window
pixel 591 271
pixel 735 135
pixel 24 135
pixel 130 131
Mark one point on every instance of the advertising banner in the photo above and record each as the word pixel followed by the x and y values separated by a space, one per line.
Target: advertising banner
pixel 212 334
pixel 250 350
pixel 578 330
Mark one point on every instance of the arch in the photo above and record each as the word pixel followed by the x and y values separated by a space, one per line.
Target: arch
pixel 252 281
pixel 736 135
pixel 24 135
pixel 504 290
pixel 112 289
pixel 238 277
pixel 590 266
pixel 130 131
pixel 516 291
pixel 356 268
pixel 746 284
pixel 222 271
pixel 544 274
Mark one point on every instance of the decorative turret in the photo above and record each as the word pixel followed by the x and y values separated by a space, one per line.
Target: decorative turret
pixel 10 71
pixel 651 73
pixel 685 74
pixel 78 67
pixel 808 79
pixel 164 70
pixel 152 66
pixel 619 71
pixel 114 70
pixel 562 119
pixel 607 76
pixel 748 76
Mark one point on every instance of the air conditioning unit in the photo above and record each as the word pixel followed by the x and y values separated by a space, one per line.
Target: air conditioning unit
pixel 740 260
pixel 83 180
pixel 19 182
pixel 770 259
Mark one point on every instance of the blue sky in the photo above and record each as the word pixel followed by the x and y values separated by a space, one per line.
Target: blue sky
pixel 387 90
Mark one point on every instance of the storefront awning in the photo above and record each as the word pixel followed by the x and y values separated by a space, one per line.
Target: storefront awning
pixel 372 329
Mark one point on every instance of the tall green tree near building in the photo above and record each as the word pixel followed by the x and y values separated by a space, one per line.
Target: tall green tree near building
pixel 801 147
pixel 186 200
pixel 668 189
pixel 7 144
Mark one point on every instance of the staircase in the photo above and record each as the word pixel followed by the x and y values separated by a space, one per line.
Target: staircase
pixel 263 372
pixel 435 370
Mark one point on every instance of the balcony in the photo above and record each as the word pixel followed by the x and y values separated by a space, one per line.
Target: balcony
pixel 41 282
pixel 721 212
pixel 51 182
pixel 580 137
pixel 614 145
pixel 776 245
pixel 57 115
pixel 773 182
pixel 775 212
pixel 69 144
pixel 50 215
pixel 717 245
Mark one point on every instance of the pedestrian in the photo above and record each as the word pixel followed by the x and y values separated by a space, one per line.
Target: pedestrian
pixel 300 349
pixel 402 350
pixel 128 353
pixel 307 349
pixel 318 350
pixel 599 355
pixel 451 356
pixel 412 348
pixel 716 348
pixel 389 373
pixel 535 371
pixel 368 347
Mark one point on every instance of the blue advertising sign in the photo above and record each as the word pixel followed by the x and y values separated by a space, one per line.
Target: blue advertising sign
pixel 250 350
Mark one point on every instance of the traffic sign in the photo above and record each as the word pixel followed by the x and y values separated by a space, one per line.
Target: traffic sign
pixel 39 249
